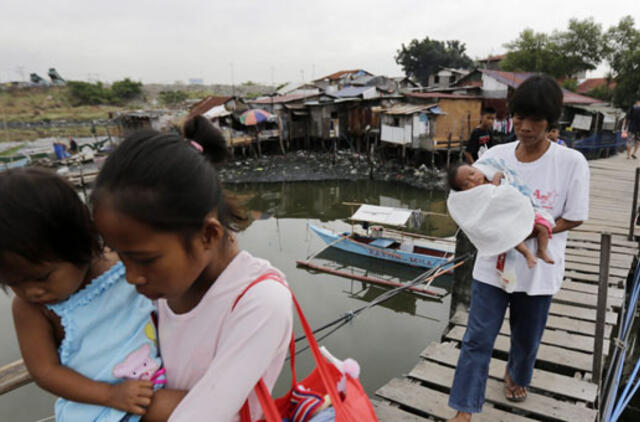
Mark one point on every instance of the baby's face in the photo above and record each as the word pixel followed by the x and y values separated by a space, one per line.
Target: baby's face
pixel 41 283
pixel 469 177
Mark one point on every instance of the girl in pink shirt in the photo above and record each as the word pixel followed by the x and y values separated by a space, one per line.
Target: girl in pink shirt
pixel 158 202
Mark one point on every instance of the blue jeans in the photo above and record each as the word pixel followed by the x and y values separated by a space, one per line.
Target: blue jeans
pixel 528 317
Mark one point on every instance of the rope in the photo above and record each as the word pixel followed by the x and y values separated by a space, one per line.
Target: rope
pixel 613 411
pixel 349 316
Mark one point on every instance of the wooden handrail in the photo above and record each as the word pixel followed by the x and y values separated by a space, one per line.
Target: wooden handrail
pixel 13 375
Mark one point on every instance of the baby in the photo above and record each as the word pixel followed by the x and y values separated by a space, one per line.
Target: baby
pixel 464 177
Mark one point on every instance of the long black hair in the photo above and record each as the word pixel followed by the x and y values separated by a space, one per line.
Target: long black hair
pixel 164 181
pixel 43 219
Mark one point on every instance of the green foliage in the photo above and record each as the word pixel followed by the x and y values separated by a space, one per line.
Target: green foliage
pixel 602 92
pixel 126 90
pixel 561 54
pixel 422 58
pixel 172 97
pixel 623 55
pixel 249 83
pixel 570 84
pixel 85 93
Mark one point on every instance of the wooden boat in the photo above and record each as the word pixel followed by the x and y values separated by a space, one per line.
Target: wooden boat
pixel 389 244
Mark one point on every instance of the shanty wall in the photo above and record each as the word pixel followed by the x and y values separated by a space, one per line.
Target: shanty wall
pixel 462 116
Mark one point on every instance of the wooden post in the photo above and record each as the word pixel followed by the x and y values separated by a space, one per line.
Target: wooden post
pixel 634 210
pixel 462 277
pixel 605 252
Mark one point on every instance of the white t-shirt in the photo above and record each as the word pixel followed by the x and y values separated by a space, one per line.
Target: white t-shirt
pixel 219 355
pixel 560 182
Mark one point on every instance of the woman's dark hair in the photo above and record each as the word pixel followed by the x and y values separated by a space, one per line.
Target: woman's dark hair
pixel 554 125
pixel 452 174
pixel 538 97
pixel 162 180
pixel 43 219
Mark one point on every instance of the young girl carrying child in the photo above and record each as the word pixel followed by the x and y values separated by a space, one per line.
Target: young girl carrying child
pixel 84 333
pixel 158 203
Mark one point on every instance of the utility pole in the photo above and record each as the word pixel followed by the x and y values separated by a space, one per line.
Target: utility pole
pixel 233 86
pixel 20 70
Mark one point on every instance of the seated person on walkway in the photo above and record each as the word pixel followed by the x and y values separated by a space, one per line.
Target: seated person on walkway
pixel 463 177
pixel 559 180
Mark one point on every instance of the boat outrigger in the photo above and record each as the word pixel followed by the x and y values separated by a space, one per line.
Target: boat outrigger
pixel 380 241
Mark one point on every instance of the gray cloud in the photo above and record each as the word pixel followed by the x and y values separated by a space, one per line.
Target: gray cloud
pixel 162 41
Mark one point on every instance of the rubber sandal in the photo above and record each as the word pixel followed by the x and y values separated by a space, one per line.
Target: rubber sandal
pixel 510 394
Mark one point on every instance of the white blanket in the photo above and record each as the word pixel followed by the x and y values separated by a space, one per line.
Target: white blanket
pixel 494 218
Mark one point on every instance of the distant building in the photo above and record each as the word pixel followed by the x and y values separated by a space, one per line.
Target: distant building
pixel 492 62
pixel 196 81
pixel 446 77
pixel 592 83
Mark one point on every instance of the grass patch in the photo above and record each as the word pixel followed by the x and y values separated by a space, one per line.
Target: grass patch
pixel 11 151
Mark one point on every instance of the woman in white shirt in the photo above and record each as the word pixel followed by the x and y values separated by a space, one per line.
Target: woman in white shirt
pixel 559 178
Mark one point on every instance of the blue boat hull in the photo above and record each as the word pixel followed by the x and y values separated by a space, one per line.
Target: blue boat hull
pixel 393 255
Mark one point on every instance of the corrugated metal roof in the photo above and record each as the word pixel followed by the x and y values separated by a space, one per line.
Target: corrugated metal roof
pixel 340 74
pixel 514 79
pixel 406 109
pixel 496 58
pixel 589 84
pixel 353 91
pixel 442 95
pixel 208 103
pixel 281 99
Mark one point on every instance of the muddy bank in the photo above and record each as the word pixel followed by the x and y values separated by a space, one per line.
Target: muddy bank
pixel 311 166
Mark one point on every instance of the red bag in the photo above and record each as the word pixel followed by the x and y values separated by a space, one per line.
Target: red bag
pixel 351 406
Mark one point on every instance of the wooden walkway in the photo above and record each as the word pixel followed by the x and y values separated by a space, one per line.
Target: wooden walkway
pixel 561 388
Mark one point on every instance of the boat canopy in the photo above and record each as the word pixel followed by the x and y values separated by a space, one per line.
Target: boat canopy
pixel 396 217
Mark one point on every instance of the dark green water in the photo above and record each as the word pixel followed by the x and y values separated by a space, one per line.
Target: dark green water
pixel 386 340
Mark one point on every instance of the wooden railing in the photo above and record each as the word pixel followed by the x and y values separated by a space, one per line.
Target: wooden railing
pixel 13 375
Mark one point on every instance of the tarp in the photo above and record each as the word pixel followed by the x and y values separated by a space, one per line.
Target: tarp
pixel 397 217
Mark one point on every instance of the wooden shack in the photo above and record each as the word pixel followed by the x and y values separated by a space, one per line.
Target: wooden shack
pixel 459 114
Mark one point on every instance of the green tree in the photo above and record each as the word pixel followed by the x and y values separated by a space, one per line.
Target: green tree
pixel 562 54
pixel 85 93
pixel 422 58
pixel 126 90
pixel 622 50
pixel 172 97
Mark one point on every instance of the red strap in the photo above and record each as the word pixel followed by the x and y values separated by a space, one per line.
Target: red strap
pixel 245 412
pixel 266 401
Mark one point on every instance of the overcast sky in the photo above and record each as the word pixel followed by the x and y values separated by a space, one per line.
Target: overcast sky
pixel 263 41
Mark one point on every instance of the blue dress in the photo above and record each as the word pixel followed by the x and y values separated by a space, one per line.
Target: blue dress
pixel 109 336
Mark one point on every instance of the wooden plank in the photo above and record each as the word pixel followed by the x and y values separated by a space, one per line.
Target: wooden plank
pixel 559 385
pixel 595 269
pixel 536 403
pixel 591 288
pixel 431 402
pixel 13 375
pixel 552 337
pixel 594 237
pixel 590 257
pixel 552 354
pixel 577 244
pixel 585 299
pixel 591 278
pixel 580 313
pixel 388 413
